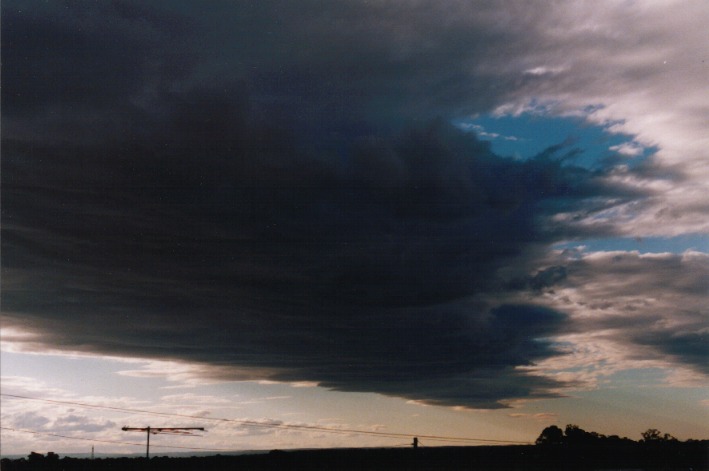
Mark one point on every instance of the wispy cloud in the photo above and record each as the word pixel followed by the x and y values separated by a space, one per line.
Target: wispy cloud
pixel 545 417
pixel 483 134
pixel 629 310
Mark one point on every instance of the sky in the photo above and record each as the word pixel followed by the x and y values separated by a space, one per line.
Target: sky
pixel 349 223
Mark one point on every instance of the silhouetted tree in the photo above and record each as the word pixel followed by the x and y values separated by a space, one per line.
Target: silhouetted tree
pixel 652 435
pixel 575 435
pixel 551 435
pixel 39 462
pixel 616 440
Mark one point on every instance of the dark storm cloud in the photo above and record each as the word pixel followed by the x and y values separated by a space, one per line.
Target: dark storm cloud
pixel 86 69
pixel 261 215
pixel 324 67
pixel 90 55
pixel 338 59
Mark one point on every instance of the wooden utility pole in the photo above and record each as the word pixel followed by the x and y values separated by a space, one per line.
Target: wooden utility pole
pixel 162 430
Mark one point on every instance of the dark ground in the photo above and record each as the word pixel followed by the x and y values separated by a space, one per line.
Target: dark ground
pixel 667 456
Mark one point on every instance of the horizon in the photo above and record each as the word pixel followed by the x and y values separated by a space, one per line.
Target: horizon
pixel 352 223
pixel 197 453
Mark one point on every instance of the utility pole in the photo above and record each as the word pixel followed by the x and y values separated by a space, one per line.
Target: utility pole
pixel 415 444
pixel 162 430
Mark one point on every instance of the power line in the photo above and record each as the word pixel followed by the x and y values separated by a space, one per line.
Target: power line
pixel 114 442
pixel 253 423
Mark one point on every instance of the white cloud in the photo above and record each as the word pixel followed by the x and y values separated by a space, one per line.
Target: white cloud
pixel 630 149
pixel 482 133
pixel 26 386
pixel 543 70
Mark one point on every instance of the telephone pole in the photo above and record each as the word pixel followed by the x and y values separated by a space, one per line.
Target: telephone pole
pixel 162 430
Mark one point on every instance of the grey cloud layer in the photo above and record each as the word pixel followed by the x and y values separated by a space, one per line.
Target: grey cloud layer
pixel 64 423
pixel 653 305
pixel 239 189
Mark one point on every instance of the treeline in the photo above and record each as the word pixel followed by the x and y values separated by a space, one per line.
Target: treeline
pixel 575 435
pixel 654 451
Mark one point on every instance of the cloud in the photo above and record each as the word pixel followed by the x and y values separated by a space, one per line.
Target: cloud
pixel 265 190
pixel 630 149
pixel 26 386
pixel 81 423
pixel 481 133
pixel 641 67
pixel 630 310
pixel 30 420
pixel 264 255
pixel 541 416
pixel 115 57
